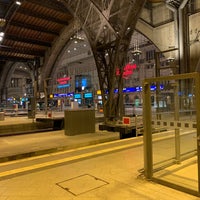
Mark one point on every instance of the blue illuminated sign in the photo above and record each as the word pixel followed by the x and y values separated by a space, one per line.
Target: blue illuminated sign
pixel 88 95
pixel 63 95
pixel 84 82
pixel 63 86
pixel 137 89
pixel 77 96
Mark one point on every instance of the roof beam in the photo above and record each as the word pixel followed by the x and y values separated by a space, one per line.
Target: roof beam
pixel 50 4
pixel 15 59
pixel 29 12
pixel 17 38
pixel 22 51
pixel 31 27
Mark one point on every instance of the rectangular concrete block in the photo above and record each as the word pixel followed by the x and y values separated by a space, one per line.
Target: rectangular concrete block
pixel 79 121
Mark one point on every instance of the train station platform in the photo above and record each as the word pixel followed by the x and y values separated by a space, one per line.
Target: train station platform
pixel 119 172
pixel 22 145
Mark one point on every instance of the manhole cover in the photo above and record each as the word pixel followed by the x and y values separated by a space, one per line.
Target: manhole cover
pixel 82 184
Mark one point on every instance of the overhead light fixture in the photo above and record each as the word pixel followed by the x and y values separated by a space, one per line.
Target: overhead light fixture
pixel 136 50
pixel 18 3
pixel 1 36
pixel 170 59
pixel 77 37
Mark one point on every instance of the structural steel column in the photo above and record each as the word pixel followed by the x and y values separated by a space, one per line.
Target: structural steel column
pixel 109 26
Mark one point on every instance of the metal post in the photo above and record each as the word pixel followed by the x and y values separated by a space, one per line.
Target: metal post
pixel 157 72
pixel 197 95
pixel 34 100
pixel 177 130
pixel 147 137
pixel 45 96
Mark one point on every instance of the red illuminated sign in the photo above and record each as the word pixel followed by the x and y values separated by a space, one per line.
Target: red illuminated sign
pixel 63 80
pixel 128 70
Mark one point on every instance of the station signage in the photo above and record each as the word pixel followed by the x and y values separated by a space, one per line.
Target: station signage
pixel 63 82
pixel 88 95
pixel 98 92
pixel 63 86
pixel 127 70
pixel 77 96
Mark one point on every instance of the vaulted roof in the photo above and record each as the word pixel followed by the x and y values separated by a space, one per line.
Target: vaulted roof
pixel 30 28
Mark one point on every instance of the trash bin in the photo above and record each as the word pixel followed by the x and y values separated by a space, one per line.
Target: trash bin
pixel 2 116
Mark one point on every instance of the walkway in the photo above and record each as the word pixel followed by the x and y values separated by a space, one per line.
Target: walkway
pixel 106 171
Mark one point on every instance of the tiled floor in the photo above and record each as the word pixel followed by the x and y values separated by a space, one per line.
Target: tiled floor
pixel 110 175
pixel 184 174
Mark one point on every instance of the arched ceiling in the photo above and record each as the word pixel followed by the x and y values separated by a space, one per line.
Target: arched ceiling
pixel 32 27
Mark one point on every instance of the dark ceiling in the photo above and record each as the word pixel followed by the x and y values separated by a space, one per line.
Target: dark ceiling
pixel 30 28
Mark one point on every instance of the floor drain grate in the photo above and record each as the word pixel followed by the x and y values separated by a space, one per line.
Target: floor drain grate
pixel 82 184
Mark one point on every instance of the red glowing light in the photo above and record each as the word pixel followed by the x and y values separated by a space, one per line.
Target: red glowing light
pixel 63 80
pixel 127 71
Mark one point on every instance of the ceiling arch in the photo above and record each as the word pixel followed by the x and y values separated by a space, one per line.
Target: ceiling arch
pixel 103 23
pixel 31 28
pixel 35 28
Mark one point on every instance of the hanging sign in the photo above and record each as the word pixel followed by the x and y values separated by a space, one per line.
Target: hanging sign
pixel 63 82
pixel 127 71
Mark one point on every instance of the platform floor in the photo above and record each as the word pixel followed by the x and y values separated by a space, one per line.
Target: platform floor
pixel 109 173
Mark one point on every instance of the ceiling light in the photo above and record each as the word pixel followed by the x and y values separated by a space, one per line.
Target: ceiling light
pixel 136 52
pixel 18 3
pixel 1 34
pixel 170 59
